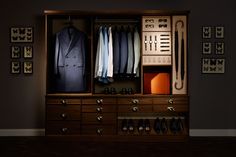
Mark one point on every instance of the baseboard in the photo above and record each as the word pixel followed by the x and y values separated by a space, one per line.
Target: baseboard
pixel 212 132
pixel 192 132
pixel 22 132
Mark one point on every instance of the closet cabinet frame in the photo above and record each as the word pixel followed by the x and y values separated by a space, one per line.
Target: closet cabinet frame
pixel 90 95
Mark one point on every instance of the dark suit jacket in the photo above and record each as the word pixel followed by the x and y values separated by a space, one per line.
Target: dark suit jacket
pixel 69 60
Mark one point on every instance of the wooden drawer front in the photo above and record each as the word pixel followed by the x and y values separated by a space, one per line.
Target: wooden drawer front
pixel 99 100
pixel 99 108
pixel 160 108
pixel 62 112
pixel 98 129
pixel 161 100
pixel 134 100
pixel 135 108
pixel 62 101
pixel 180 100
pixel 94 118
pixel 62 128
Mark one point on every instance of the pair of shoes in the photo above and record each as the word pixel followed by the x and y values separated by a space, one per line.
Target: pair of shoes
pixel 176 125
pixel 127 91
pixel 144 125
pixel 127 125
pixel 111 90
pixel 160 125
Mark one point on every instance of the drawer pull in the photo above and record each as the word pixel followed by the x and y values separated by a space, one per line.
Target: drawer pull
pixel 170 101
pixel 99 109
pixel 63 101
pixel 99 131
pixel 135 101
pixel 135 109
pixel 99 101
pixel 170 108
pixel 99 118
pixel 64 130
pixel 64 115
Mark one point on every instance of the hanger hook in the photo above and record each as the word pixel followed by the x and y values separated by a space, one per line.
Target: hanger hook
pixel 179 21
pixel 181 86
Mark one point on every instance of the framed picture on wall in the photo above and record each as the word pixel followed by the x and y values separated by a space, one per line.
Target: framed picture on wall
pixel 206 48
pixel 219 48
pixel 206 32
pixel 213 65
pixel 28 52
pixel 15 52
pixel 21 34
pixel 15 67
pixel 28 67
pixel 219 32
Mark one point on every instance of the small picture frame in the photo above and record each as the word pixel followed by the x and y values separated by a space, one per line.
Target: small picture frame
pixel 206 32
pixel 219 32
pixel 219 48
pixel 28 52
pixel 28 67
pixel 206 48
pixel 15 67
pixel 213 65
pixel 15 52
pixel 21 34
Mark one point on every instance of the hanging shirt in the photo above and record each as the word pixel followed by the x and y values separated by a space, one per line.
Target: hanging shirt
pixel 130 62
pixel 110 54
pixel 136 52
pixel 116 52
pixel 99 55
pixel 123 52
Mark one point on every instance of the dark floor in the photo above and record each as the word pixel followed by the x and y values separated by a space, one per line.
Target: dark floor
pixel 40 147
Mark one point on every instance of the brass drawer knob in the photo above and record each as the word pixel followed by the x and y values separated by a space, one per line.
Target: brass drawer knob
pixel 63 101
pixel 99 101
pixel 64 115
pixel 170 108
pixel 171 101
pixel 64 130
pixel 99 118
pixel 99 109
pixel 99 131
pixel 135 108
pixel 135 101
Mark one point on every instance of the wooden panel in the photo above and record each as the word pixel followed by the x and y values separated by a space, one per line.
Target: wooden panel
pixel 135 108
pixel 99 100
pixel 62 128
pixel 62 112
pixel 99 108
pixel 135 100
pixel 62 100
pixel 98 129
pixel 95 118
pixel 159 108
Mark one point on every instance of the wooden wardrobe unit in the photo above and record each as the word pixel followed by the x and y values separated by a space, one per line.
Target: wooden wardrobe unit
pixel 95 115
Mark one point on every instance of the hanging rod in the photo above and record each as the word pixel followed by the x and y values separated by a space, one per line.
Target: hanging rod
pixel 116 21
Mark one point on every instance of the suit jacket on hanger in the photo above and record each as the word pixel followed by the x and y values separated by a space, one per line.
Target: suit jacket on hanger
pixel 69 60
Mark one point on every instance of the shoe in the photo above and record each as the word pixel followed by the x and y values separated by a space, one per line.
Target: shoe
pixel 180 126
pixel 140 125
pixel 147 125
pixel 106 90
pixel 130 125
pixel 164 127
pixel 157 126
pixel 173 126
pixel 124 125
pixel 112 90
pixel 123 91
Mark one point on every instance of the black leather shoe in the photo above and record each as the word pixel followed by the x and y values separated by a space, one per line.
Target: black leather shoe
pixel 164 127
pixel 106 90
pixel 157 125
pixel 173 126
pixel 112 90
pixel 140 125
pixel 124 125
pixel 130 125
pixel 180 126
pixel 147 125
pixel 123 91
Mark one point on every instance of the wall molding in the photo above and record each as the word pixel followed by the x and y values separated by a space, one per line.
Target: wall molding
pixel 192 132
pixel 22 132
pixel 212 132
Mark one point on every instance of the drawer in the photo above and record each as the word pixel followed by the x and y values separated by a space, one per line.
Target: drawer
pixel 99 129
pixel 95 118
pixel 63 101
pixel 134 108
pixel 99 100
pixel 62 112
pixel 98 108
pixel 62 128
pixel 134 100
